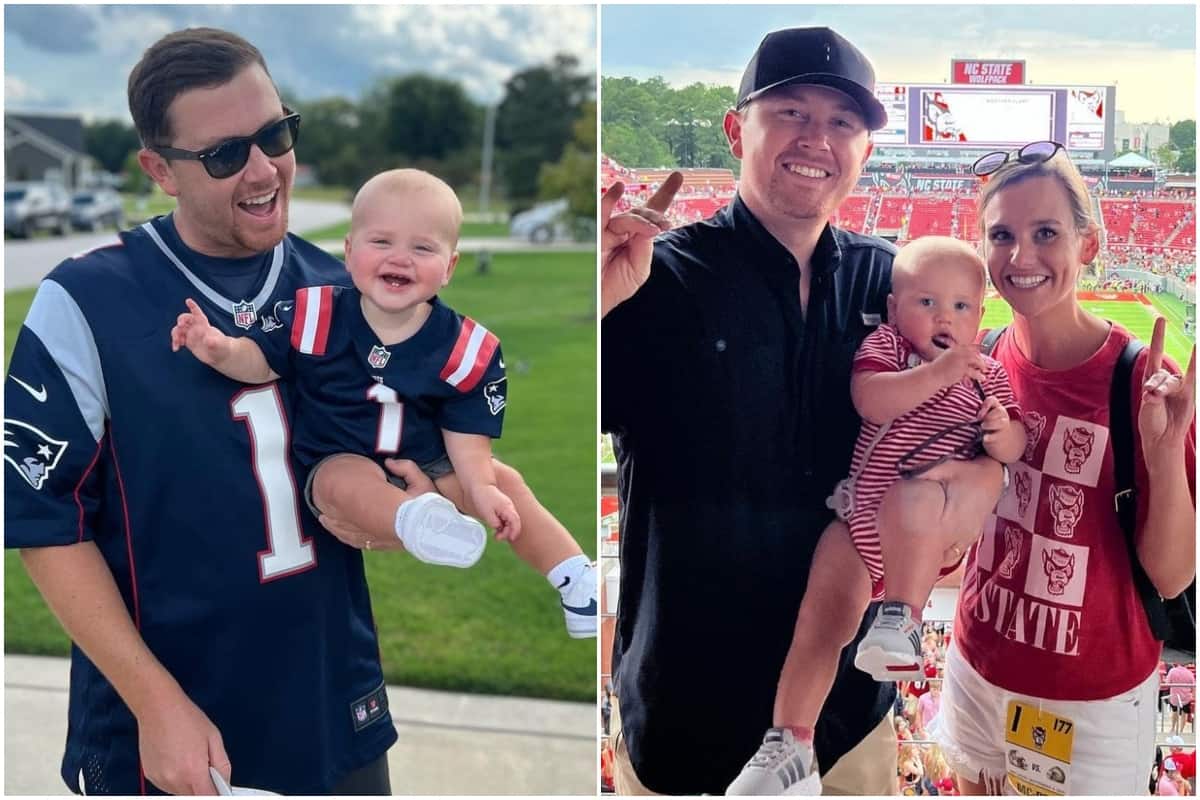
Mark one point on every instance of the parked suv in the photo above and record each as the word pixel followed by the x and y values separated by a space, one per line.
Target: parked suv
pixel 30 207
pixel 95 208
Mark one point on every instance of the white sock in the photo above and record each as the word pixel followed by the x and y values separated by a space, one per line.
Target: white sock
pixel 568 570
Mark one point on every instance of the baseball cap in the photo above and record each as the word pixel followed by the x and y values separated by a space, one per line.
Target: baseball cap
pixel 1175 741
pixel 1169 765
pixel 812 56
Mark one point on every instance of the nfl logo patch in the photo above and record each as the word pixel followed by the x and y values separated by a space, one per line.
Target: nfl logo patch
pixel 378 357
pixel 244 315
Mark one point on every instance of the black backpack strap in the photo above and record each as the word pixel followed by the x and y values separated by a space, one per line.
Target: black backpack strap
pixel 988 343
pixel 1120 429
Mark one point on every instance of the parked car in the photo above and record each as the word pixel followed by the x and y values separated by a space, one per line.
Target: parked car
pixel 95 208
pixel 31 207
pixel 543 223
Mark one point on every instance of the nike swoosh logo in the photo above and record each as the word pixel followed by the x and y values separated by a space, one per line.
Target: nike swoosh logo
pixel 38 394
pixel 584 611
pixel 566 582
pixel 502 364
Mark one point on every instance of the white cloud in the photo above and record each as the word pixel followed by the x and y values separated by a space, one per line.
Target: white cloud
pixel 17 92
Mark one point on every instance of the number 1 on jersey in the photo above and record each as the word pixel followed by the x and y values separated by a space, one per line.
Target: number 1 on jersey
pixel 288 551
pixel 391 418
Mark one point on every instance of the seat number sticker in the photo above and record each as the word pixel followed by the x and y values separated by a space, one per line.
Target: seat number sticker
pixel 1038 745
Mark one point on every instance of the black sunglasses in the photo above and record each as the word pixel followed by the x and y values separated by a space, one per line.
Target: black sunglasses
pixel 1032 153
pixel 227 158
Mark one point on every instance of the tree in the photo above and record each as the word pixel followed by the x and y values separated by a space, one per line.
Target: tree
pixel 574 175
pixel 1187 160
pixel 534 122
pixel 110 143
pixel 649 124
pixel 428 117
pixel 1183 134
pixel 136 181
pixel 1166 155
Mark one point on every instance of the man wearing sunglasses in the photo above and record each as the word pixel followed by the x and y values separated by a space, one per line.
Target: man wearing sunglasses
pixel 155 501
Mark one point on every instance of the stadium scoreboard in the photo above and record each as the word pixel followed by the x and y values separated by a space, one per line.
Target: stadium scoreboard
pixel 995 115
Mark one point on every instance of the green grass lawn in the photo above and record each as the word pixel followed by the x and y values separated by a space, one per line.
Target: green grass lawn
pixel 1136 317
pixel 470 230
pixel 497 627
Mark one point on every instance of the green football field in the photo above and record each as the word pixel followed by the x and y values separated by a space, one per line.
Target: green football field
pixel 497 627
pixel 1136 317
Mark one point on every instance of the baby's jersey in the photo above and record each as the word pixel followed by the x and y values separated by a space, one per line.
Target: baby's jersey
pixel 358 396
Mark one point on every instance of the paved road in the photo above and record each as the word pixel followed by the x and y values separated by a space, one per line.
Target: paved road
pixel 26 262
pixel 450 744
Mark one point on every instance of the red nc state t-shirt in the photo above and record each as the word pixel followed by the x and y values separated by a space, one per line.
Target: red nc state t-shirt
pixel 1047 606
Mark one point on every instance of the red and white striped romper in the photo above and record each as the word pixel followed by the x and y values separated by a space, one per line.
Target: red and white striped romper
pixel 885 350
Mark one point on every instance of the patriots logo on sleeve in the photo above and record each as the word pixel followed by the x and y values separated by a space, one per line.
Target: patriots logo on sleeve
pixel 31 452
pixel 494 392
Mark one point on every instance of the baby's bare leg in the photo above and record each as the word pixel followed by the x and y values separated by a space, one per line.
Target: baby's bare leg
pixel 354 489
pixel 838 593
pixel 544 542
pixel 930 522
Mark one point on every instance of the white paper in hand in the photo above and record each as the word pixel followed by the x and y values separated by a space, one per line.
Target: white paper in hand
pixel 223 788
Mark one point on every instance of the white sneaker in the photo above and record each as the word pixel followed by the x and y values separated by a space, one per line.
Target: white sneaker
pixel 579 603
pixel 891 650
pixel 432 530
pixel 782 766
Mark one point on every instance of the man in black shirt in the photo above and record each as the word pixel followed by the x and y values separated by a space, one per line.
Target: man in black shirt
pixel 726 386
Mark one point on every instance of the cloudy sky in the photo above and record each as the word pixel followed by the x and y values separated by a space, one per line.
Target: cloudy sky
pixel 1148 52
pixel 77 58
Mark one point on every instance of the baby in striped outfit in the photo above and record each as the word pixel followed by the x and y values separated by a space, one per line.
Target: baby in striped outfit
pixel 927 396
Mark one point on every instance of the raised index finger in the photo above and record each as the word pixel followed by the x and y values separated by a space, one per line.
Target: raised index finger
pixel 661 200
pixel 195 309
pixel 1156 346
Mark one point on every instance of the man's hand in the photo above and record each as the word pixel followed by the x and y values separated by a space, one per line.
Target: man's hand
pixel 496 509
pixel 193 331
pixel 354 536
pixel 177 744
pixel 627 241
pixel 960 361
pixel 1168 404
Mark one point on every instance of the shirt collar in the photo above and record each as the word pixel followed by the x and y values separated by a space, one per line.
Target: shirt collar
pixel 826 257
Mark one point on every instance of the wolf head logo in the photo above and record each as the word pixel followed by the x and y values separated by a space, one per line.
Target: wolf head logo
pixel 1077 447
pixel 1060 568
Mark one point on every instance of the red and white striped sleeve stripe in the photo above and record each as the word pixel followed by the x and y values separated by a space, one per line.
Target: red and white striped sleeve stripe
pixel 470 357
pixel 310 330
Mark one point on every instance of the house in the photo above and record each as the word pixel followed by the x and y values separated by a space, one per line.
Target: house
pixel 46 147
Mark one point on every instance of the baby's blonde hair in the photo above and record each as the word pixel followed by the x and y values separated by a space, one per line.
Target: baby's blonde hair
pixel 913 254
pixel 427 188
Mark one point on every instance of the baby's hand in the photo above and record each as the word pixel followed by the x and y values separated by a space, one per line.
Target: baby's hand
pixel 993 418
pixel 961 361
pixel 193 331
pixel 497 511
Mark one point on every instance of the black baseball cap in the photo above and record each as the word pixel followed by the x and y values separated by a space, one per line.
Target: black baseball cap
pixel 813 56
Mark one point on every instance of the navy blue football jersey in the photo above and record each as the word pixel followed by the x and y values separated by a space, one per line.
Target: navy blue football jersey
pixel 184 481
pixel 356 395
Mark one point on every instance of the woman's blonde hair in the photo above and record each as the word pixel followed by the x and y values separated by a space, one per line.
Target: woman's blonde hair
pixel 1061 168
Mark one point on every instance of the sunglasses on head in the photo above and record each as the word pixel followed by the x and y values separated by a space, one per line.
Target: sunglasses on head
pixel 227 158
pixel 1032 153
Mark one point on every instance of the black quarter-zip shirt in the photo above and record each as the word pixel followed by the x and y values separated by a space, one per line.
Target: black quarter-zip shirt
pixel 731 418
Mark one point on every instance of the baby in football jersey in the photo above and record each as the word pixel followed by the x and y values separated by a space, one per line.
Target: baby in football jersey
pixel 926 395
pixel 385 369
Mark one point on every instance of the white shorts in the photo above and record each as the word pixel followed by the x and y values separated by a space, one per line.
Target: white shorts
pixel 1111 745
